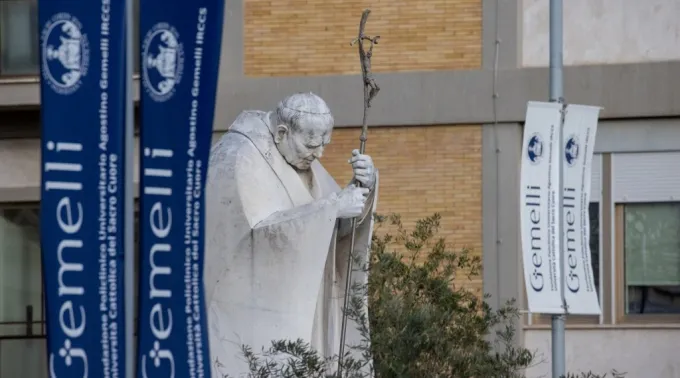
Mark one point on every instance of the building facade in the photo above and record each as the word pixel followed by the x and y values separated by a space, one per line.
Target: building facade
pixel 446 134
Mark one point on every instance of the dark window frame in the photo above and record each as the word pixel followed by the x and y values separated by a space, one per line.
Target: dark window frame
pixel 622 317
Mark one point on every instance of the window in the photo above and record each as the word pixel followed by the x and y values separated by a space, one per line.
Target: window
pixel 651 244
pixel 594 212
pixel 22 311
pixel 20 39
pixel 22 315
pixel 645 193
pixel 23 357
pixel 21 295
pixel 135 37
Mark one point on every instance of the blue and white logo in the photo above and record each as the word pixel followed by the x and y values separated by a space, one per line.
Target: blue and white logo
pixel 535 148
pixel 571 150
pixel 162 61
pixel 65 53
pixel 70 354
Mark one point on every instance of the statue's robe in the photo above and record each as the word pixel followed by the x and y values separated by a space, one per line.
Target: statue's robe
pixel 276 256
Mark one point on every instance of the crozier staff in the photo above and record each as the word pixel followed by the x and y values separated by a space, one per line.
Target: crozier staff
pixel 278 233
pixel 371 90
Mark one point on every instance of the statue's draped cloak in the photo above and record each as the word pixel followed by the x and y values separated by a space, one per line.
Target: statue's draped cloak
pixel 276 257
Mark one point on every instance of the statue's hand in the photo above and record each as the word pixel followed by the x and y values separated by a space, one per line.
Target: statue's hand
pixel 350 201
pixel 364 170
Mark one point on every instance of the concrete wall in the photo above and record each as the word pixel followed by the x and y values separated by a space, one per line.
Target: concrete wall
pixel 604 31
pixel 639 352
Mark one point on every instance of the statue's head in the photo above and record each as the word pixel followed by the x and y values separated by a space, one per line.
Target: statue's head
pixel 303 129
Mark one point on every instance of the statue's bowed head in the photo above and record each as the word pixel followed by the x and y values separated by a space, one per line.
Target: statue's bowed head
pixel 302 126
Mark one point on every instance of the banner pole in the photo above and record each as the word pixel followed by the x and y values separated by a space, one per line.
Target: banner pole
pixel 129 219
pixel 557 95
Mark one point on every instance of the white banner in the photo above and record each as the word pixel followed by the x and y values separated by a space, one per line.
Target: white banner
pixel 580 127
pixel 539 190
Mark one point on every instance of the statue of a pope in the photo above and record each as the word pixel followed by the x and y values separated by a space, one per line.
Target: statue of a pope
pixel 278 233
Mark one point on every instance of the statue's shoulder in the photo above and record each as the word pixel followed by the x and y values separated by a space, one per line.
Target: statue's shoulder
pixel 248 124
pixel 247 130
pixel 248 121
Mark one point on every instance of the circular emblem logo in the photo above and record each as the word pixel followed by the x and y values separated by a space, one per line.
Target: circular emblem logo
pixel 65 53
pixel 571 150
pixel 535 148
pixel 162 62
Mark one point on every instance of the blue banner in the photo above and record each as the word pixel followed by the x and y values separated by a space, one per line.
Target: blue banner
pixel 180 54
pixel 82 48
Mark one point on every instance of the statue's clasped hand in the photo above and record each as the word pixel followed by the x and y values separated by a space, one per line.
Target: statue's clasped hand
pixel 364 170
pixel 350 201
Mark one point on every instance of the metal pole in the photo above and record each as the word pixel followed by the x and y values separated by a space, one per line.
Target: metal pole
pixel 128 236
pixel 556 47
pixel 556 95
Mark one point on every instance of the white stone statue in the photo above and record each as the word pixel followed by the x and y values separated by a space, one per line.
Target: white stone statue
pixel 278 233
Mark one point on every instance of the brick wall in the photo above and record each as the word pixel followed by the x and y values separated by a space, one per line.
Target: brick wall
pixel 311 37
pixel 423 170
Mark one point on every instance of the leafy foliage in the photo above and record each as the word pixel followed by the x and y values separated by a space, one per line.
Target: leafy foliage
pixel 424 323
pixel 614 374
